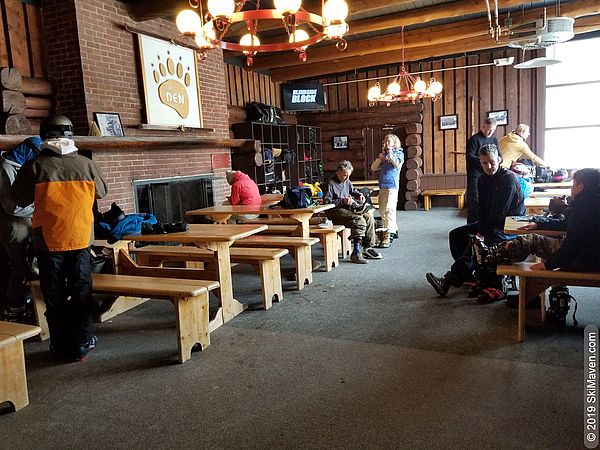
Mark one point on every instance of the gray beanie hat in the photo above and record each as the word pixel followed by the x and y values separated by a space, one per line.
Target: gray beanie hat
pixel 230 175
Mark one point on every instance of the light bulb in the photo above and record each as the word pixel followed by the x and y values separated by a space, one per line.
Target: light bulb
pixel 221 8
pixel 420 85
pixel 287 6
pixel 299 36
pixel 188 22
pixel 249 40
pixel 393 88
pixel 335 11
pixel 209 30
pixel 374 93
pixel 436 87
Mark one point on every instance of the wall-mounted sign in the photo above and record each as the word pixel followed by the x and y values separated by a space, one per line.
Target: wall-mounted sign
pixel 170 77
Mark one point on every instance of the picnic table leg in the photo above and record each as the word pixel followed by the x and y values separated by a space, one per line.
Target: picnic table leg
pixel 461 201
pixel 13 385
pixel 304 219
pixel 522 301
pixel 192 324
pixel 231 307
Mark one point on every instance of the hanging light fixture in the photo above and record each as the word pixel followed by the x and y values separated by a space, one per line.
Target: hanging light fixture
pixel 405 87
pixel 210 30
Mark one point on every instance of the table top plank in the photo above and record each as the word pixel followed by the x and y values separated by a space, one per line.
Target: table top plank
pixel 202 232
pixel 257 209
pixel 512 226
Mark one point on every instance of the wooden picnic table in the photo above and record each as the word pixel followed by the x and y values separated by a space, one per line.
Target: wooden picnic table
pixel 536 205
pixel 300 215
pixel 550 193
pixel 512 226
pixel 561 185
pixel 217 238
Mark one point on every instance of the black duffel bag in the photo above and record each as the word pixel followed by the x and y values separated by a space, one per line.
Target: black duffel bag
pixel 259 112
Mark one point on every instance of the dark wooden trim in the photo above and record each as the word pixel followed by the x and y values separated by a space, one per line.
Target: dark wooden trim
pixel 98 143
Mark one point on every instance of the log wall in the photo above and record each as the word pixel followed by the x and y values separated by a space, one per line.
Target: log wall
pixel 21 38
pixel 468 93
pixel 244 87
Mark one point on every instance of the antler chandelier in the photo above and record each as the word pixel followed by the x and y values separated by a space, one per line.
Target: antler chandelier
pixel 405 87
pixel 302 28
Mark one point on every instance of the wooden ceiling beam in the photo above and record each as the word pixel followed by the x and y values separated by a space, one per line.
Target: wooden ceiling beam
pixel 424 15
pixel 416 38
pixel 141 10
pixel 582 25
pixel 389 42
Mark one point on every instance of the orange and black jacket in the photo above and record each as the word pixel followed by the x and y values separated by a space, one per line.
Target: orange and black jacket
pixel 63 187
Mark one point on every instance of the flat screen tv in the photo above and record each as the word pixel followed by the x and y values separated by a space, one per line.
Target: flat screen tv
pixel 303 97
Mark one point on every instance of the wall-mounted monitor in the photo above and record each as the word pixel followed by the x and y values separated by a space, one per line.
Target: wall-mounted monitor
pixel 303 97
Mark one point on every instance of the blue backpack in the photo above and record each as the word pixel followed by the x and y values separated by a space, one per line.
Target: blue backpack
pixel 297 197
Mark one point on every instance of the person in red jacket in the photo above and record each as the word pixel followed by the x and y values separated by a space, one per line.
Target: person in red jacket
pixel 244 190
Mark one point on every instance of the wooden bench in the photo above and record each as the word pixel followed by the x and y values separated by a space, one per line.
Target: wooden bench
pixel 267 260
pixel 327 236
pixel 299 248
pixel 13 379
pixel 535 282
pixel 458 193
pixel 190 298
pixel 345 246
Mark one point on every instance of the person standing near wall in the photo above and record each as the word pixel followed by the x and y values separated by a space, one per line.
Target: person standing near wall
pixel 474 170
pixel 514 148
pixel 64 186
pixel 15 229
pixel 389 162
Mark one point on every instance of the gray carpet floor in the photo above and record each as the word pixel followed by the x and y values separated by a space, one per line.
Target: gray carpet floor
pixel 366 357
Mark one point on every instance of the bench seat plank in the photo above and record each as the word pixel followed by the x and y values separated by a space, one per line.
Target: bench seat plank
pixel 534 282
pixel 266 259
pixel 190 298
pixel 327 236
pixel 458 193
pixel 13 378
pixel 299 247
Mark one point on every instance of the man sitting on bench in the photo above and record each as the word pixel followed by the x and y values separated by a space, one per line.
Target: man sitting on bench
pixel 350 212
pixel 500 196
pixel 579 251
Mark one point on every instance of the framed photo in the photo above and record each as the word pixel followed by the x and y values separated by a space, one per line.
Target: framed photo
pixel 109 124
pixel 449 122
pixel 170 80
pixel 501 116
pixel 340 142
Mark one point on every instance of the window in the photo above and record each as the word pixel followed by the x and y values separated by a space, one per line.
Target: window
pixel 572 105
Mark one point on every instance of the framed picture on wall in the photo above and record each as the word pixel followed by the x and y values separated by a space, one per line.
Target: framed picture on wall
pixel 109 124
pixel 340 142
pixel 501 116
pixel 170 80
pixel 449 122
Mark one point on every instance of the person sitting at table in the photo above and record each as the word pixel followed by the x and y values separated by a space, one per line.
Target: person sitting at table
pixel 578 251
pixel 514 148
pixel 349 211
pixel 244 191
pixel 499 196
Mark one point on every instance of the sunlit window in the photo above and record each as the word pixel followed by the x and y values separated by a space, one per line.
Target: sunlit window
pixel 573 105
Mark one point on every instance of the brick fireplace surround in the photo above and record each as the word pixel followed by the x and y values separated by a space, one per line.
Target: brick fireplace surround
pixel 93 60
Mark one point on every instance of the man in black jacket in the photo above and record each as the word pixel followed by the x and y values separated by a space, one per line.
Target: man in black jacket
pixel 500 196
pixel 474 171
pixel 579 251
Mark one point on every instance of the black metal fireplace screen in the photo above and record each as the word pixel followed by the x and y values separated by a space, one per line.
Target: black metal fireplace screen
pixel 169 198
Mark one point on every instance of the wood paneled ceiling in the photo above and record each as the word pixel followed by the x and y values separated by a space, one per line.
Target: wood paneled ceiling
pixel 433 28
